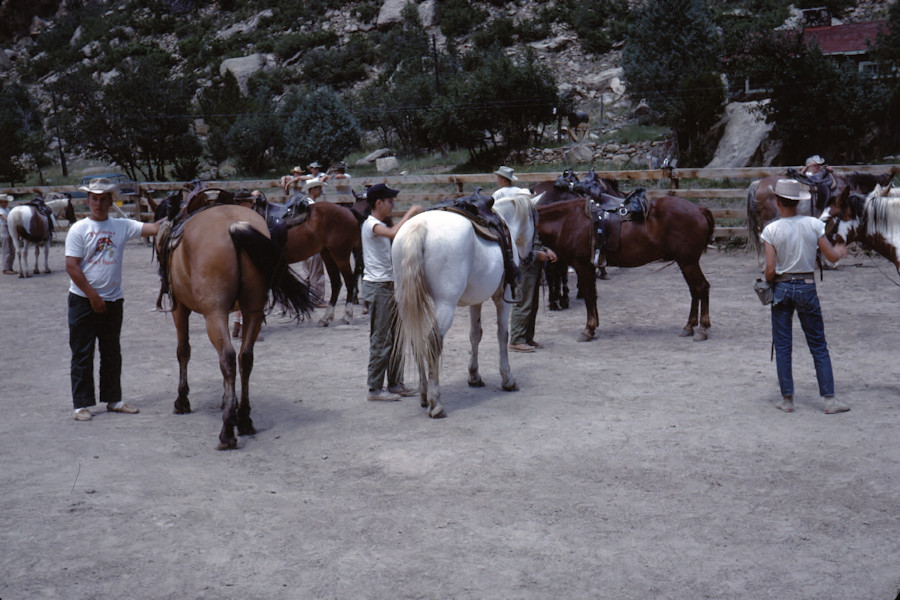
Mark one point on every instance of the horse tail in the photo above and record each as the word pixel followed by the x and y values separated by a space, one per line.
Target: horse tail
pixel 418 333
pixel 710 224
pixel 754 226
pixel 287 289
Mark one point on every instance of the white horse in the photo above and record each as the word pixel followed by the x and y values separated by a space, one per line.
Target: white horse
pixel 27 226
pixel 440 263
pixel 873 222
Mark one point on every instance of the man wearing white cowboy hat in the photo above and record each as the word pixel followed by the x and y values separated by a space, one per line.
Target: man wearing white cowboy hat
pixel 315 172
pixel 790 243
pixel 292 182
pixel 94 249
pixel 312 270
pixel 9 249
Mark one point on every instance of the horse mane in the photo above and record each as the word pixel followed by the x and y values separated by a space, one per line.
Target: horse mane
pixel 883 212
pixel 866 182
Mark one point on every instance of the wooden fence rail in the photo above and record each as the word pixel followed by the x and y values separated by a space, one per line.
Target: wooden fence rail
pixel 428 189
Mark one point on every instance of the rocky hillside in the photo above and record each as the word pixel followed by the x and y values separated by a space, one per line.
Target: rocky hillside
pixel 248 40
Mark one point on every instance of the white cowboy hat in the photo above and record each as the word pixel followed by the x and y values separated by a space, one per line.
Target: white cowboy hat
pixel 791 189
pixel 5 198
pixel 506 172
pixel 311 183
pixel 98 185
pixel 815 159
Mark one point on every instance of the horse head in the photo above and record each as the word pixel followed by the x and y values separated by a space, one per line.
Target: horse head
pixel 69 210
pixel 361 208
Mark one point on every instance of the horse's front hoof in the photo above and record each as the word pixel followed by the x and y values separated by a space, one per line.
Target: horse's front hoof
pixel 686 332
pixel 227 444
pixel 323 323
pixel 440 414
pixel 476 381
pixel 585 336
pixel 21 276
pixel 510 387
pixel 182 407
pixel 246 428
pixel 701 335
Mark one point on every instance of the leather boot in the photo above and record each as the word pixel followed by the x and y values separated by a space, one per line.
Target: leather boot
pixel 236 331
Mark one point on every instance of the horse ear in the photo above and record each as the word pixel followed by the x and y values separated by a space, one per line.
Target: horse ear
pixel 536 199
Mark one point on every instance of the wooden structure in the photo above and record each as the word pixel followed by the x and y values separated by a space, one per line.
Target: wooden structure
pixel 727 199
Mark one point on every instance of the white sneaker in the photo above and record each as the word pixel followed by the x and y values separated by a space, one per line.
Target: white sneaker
pixel 83 414
pixel 382 395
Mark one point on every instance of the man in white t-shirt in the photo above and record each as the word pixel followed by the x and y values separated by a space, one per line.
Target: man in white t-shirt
pixel 94 248
pixel 378 291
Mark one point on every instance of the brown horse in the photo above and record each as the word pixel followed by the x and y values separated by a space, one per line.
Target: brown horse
pixel 332 231
pixel 675 229
pixel 762 209
pixel 225 257
pixel 870 220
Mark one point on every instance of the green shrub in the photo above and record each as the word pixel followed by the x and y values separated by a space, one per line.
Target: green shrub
pixel 499 31
pixel 458 17
pixel 291 44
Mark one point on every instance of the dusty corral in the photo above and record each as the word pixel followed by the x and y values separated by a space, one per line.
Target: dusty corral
pixel 640 465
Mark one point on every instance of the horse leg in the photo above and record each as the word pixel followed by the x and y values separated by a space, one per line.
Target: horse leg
pixel 334 276
pixel 180 316
pixel 699 287
pixel 21 247
pixel 587 283
pixel 508 382
pixel 217 331
pixel 37 256
pixel 350 281
pixel 46 258
pixel 553 285
pixel 475 333
pixel 252 324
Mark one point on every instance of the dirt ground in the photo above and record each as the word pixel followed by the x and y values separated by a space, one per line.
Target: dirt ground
pixel 640 465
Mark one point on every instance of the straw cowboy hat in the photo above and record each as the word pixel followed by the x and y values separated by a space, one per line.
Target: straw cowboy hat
pixel 311 183
pixel 98 185
pixel 791 189
pixel 506 172
pixel 297 170
pixel 5 198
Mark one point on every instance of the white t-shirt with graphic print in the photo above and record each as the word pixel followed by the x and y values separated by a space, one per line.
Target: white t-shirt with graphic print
pixel 100 245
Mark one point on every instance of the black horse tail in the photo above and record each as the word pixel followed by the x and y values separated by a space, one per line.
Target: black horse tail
pixel 754 226
pixel 287 289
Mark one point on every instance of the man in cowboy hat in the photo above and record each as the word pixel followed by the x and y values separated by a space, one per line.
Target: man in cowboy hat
pixel 790 244
pixel 523 316
pixel 94 249
pixel 315 172
pixel 378 291
pixel 292 182
pixel 9 250
pixel 312 270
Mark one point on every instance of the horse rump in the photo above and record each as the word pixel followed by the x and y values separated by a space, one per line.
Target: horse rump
pixel 287 289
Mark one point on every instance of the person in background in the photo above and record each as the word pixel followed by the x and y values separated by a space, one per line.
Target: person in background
pixel 378 290
pixel 8 248
pixel 291 183
pixel 340 179
pixel 94 250
pixel 315 172
pixel 790 245
pixel 312 270
pixel 523 316
pixel 814 165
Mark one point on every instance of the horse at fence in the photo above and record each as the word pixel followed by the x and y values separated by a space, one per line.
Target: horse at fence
pixel 223 257
pixel 674 229
pixel 332 231
pixel 33 224
pixel 440 262
pixel 872 220
pixel 762 208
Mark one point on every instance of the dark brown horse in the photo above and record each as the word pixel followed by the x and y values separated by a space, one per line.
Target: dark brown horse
pixel 762 209
pixel 675 229
pixel 332 231
pixel 226 258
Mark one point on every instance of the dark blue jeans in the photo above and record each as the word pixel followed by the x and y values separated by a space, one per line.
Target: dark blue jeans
pixel 802 297
pixel 85 326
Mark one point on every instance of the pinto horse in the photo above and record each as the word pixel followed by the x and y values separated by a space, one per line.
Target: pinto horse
pixel 872 220
pixel 28 226
pixel 225 257
pixel 762 208
pixel 441 263
pixel 675 229
pixel 332 231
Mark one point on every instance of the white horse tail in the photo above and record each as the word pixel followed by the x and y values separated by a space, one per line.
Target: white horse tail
pixel 418 333
pixel 754 225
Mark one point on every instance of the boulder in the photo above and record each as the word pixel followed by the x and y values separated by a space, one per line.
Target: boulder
pixel 243 67
pixel 390 14
pixel 743 132
pixel 579 153
pixel 372 157
pixel 427 13
pixel 386 164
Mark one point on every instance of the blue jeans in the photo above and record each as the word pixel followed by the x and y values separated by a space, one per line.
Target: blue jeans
pixel 802 297
pixel 85 326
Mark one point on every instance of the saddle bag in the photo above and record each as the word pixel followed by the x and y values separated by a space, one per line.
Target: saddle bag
pixel 765 291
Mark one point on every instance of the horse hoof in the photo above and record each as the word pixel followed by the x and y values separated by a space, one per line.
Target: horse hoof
pixel 438 415
pixel 554 306
pixel 182 407
pixel 423 402
pixel 246 429
pixel 585 337
pixel 476 382
pixel 564 304
pixel 700 336
pixel 512 387
pixel 227 444
pixel 323 323
pixel 686 332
